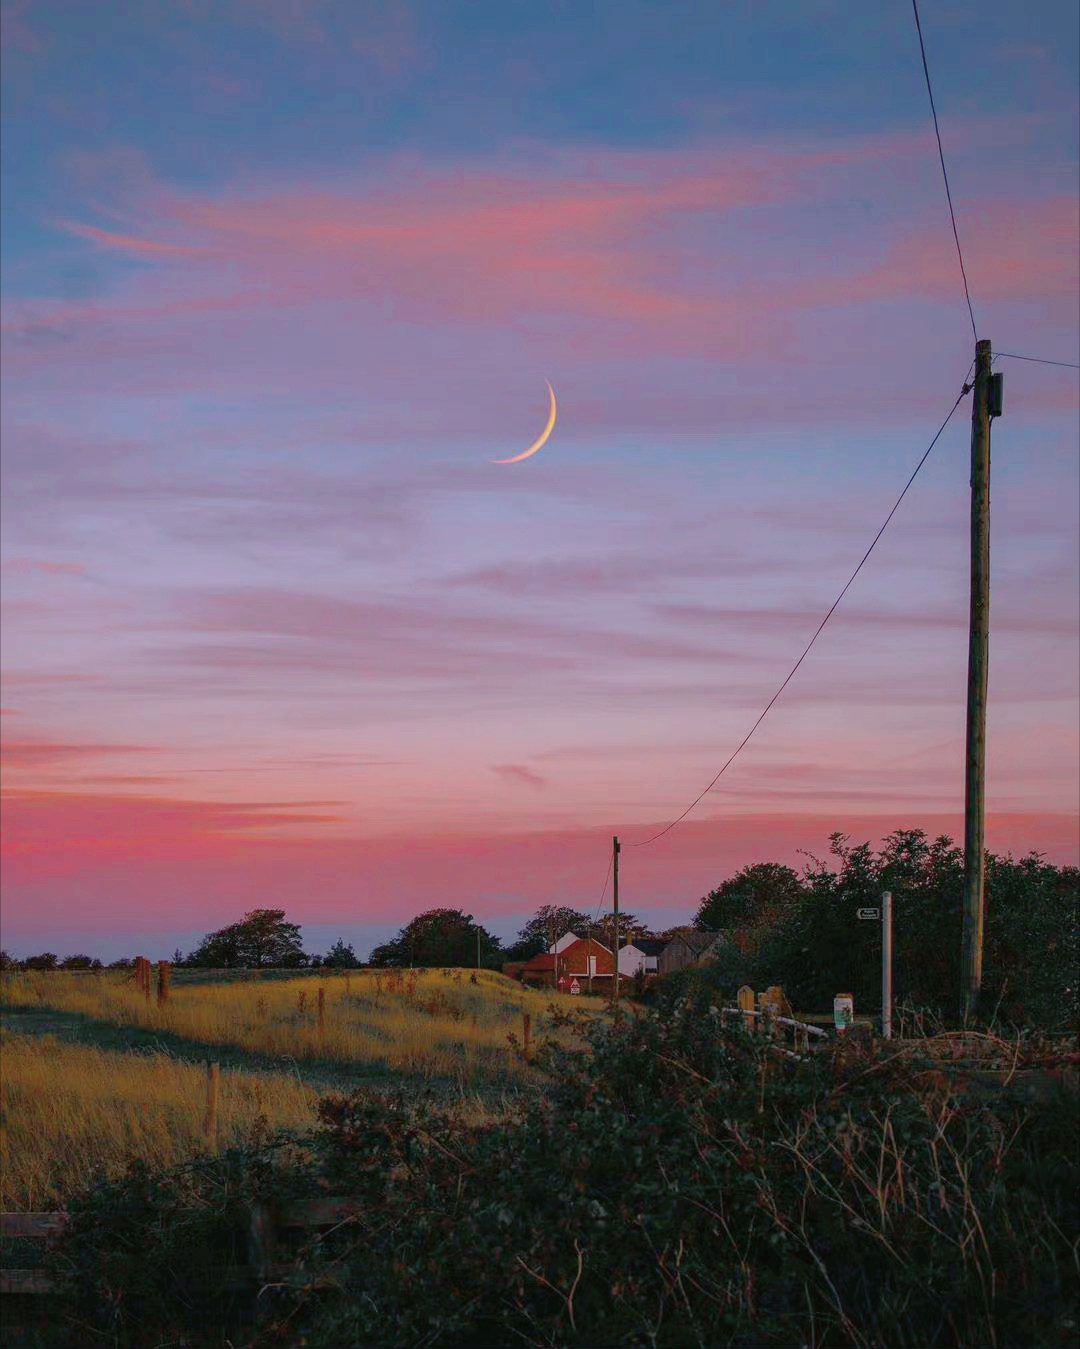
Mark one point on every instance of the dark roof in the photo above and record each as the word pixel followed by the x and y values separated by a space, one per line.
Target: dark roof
pixel 650 946
pixel 694 937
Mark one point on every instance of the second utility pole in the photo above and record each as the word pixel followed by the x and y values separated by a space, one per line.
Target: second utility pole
pixel 615 906
pixel 986 403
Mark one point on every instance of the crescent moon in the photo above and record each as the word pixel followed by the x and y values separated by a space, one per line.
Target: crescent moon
pixel 542 439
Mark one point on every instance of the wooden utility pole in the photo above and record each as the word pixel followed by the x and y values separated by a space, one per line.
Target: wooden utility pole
pixel 978 662
pixel 615 906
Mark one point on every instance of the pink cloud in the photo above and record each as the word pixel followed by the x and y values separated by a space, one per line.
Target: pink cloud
pixel 28 566
pixel 516 772
pixel 484 241
pixel 142 861
pixel 57 829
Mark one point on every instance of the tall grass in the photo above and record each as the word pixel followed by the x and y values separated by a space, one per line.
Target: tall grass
pixel 429 1021
pixel 72 1113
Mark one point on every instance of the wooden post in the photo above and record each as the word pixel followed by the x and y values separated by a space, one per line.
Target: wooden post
pixel 746 1004
pixel 615 914
pixel 886 965
pixel 164 970
pixel 213 1081
pixel 527 1026
pixel 978 662
pixel 322 1002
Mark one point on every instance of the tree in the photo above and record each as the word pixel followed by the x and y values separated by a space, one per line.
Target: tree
pixel 45 961
pixel 440 937
pixel 629 923
pixel 751 902
pixel 1032 934
pixel 7 962
pixel 341 957
pixel 262 939
pixel 79 962
pixel 535 936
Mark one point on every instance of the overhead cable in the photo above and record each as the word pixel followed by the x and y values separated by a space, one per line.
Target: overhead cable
pixel 944 173
pixel 641 843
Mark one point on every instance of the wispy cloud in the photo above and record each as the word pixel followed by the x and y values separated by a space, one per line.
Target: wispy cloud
pixel 519 773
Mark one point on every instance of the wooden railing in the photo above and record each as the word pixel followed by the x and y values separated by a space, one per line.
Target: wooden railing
pixel 264 1232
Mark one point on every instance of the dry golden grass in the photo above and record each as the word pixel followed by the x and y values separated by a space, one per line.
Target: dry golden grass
pixel 72 1112
pixel 435 1022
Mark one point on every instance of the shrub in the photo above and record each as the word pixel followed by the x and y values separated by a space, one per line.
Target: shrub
pixel 684 1186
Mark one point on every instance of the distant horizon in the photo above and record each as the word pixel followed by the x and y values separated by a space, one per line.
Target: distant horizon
pixel 786 840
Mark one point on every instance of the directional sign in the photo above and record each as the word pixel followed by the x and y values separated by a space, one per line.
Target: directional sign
pixel 867 913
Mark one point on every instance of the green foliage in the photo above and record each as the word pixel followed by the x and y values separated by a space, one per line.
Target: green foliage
pixel 550 920
pixel 80 962
pixel 757 896
pixel 440 938
pixel 341 956
pixel 1031 937
pixel 262 939
pixel 46 961
pixel 681 1186
pixel 604 929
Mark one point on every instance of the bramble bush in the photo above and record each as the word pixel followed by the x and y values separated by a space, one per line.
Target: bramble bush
pixel 683 1185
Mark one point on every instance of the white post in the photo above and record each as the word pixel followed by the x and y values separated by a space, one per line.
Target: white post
pixel 886 965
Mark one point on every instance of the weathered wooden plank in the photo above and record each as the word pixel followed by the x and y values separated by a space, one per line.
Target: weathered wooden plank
pixel 32 1224
pixel 320 1212
pixel 26 1281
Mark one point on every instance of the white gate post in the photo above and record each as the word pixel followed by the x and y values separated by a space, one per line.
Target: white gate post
pixel 886 965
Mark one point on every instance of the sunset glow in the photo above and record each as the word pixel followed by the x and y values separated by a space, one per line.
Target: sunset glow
pixel 281 280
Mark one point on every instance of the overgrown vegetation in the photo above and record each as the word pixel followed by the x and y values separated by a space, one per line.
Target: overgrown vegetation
pixel 801 932
pixel 684 1185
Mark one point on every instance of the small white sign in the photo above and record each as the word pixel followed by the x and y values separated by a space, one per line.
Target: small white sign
pixel 867 913
pixel 575 987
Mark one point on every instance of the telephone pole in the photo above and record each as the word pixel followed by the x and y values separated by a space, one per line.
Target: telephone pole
pixel 615 905
pixel 986 404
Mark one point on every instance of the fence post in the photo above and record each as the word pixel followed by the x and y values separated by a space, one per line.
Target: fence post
pixel 322 1002
pixel 164 970
pixel 213 1079
pixel 886 965
pixel 746 1003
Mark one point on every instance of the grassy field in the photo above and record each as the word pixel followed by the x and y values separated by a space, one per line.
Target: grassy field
pixel 93 1076
pixel 72 1112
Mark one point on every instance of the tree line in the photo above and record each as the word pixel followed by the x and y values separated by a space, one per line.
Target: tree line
pixel 781 927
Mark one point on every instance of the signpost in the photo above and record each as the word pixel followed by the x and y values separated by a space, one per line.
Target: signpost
pixel 885 914
pixel 886 965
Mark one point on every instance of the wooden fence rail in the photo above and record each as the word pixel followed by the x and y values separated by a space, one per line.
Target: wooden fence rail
pixel 263 1234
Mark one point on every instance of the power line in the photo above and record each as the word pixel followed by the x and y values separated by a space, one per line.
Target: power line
pixel 603 892
pixel 832 609
pixel 1038 360
pixel 944 174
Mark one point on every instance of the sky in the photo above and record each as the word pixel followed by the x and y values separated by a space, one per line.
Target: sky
pixel 281 280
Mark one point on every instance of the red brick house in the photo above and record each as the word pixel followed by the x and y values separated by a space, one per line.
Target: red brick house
pixel 579 959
